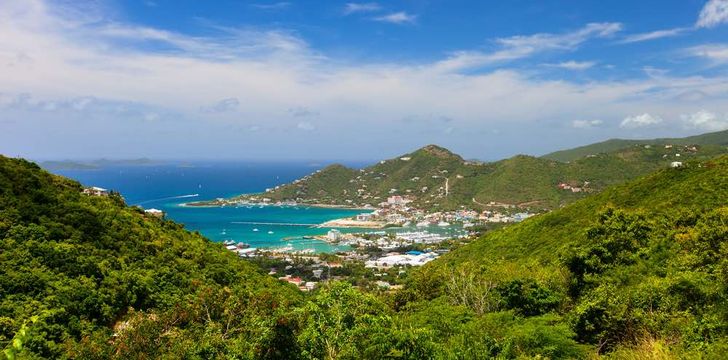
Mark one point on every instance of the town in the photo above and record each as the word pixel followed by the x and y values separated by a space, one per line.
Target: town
pixel 382 243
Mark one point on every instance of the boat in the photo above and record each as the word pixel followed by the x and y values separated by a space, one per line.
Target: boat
pixel 423 224
pixel 443 224
pixel 256 229
pixel 270 232
pixel 224 232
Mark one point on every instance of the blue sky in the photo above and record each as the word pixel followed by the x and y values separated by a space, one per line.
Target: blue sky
pixel 354 80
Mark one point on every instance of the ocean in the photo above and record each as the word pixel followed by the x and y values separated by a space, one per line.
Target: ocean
pixel 166 186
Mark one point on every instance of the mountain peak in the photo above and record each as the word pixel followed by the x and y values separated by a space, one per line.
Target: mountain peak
pixel 437 151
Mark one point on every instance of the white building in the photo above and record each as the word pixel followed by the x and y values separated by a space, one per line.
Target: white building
pixel 676 164
pixel 401 260
pixel 333 235
pixel 96 191
pixel 155 212
pixel 364 217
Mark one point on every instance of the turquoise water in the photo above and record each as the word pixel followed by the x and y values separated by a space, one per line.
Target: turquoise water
pixel 167 186
pixel 287 224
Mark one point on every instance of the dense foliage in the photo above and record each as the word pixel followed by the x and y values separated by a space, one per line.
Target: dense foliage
pixel 637 271
pixel 90 277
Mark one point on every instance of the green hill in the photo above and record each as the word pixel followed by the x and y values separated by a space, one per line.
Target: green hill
pixel 714 138
pixel 88 277
pixel 435 178
pixel 636 271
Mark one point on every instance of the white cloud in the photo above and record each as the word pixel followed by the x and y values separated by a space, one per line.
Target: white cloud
pixel 518 47
pixel 585 124
pixel 151 116
pixel 306 126
pixel 222 106
pixel 351 8
pixel 400 17
pixel 282 5
pixel 714 13
pixel 653 35
pixel 302 111
pixel 716 53
pixel 638 121
pixel 112 63
pixel 706 120
pixel 574 65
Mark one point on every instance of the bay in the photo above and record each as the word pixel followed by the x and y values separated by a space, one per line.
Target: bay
pixel 166 186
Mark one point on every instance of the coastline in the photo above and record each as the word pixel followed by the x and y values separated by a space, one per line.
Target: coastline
pixel 352 223
pixel 213 204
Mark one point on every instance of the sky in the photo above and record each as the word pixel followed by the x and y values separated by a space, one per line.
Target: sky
pixel 267 80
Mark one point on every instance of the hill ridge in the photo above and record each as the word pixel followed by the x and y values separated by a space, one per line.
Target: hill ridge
pixel 423 174
pixel 614 144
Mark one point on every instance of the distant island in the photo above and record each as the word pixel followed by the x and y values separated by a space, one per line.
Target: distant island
pixel 93 164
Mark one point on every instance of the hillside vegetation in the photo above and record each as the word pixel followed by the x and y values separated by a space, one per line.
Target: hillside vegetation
pixel 637 271
pixel 714 138
pixel 435 178
pixel 85 277
pixel 88 277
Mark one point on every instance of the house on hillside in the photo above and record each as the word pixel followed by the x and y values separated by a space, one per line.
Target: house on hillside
pixel 95 191
pixel 155 212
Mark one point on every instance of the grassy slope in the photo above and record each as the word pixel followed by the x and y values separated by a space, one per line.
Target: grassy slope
pixel 715 138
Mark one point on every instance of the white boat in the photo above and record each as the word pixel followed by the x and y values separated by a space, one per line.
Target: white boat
pixel 270 232
pixel 256 229
pixel 443 223
pixel 423 224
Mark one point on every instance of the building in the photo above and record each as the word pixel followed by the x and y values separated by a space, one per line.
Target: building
pixel 676 164
pixel 394 200
pixel 333 235
pixel 96 191
pixel 155 212
pixel 295 280
pixel 394 259
pixel 364 217
pixel 309 286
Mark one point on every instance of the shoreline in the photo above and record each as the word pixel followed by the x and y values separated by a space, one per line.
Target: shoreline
pixel 351 223
pixel 202 204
